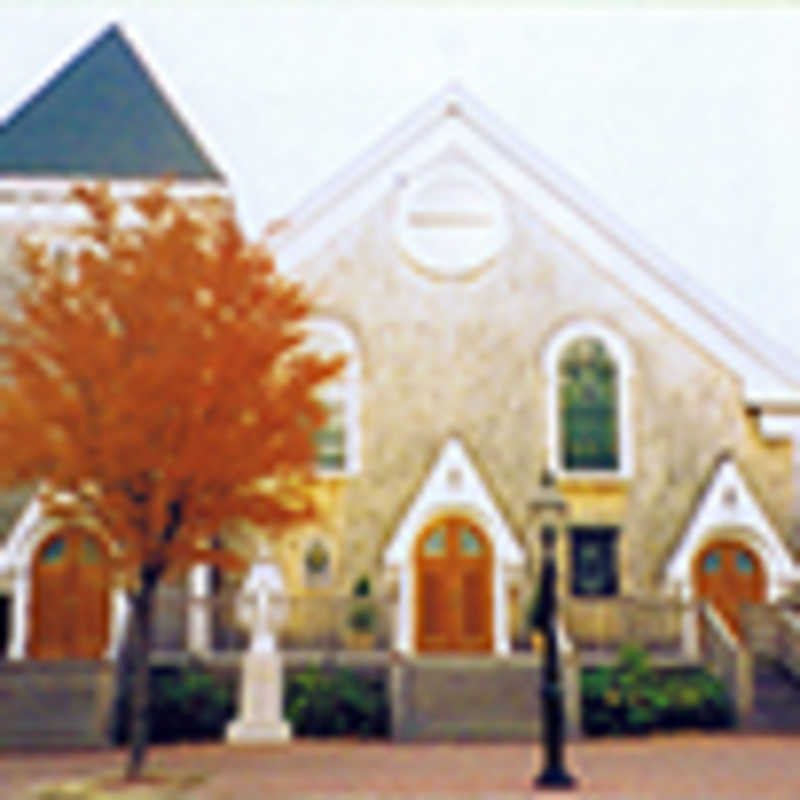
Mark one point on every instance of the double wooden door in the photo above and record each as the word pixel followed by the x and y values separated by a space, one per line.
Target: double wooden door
pixel 728 573
pixel 70 597
pixel 454 587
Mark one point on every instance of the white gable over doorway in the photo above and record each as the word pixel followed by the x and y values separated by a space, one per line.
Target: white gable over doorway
pixel 453 485
pixel 728 504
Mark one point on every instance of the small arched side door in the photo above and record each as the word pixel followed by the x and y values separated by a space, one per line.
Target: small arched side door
pixel 728 574
pixel 70 605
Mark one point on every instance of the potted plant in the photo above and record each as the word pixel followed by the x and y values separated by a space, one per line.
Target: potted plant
pixel 362 618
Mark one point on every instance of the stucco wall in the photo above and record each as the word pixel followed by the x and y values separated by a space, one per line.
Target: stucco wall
pixel 464 357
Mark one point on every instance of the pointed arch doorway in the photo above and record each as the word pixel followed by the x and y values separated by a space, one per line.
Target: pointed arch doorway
pixel 728 573
pixel 454 587
pixel 70 597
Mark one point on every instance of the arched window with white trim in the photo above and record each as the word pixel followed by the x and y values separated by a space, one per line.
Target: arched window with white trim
pixel 588 369
pixel 337 442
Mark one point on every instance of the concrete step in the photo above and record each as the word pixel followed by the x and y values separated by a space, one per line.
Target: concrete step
pixel 55 704
pixel 461 698
pixel 776 699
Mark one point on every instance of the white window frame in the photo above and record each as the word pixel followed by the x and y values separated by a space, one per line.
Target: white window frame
pixel 345 388
pixel 618 350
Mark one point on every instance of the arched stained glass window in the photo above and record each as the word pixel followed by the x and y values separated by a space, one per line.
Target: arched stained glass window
pixel 711 563
pixel 744 563
pixel 470 543
pixel 436 543
pixel 588 407
pixel 54 552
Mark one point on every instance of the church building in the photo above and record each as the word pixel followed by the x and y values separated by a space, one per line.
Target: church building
pixel 499 323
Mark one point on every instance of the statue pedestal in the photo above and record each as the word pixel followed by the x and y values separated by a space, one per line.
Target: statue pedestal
pixel 260 718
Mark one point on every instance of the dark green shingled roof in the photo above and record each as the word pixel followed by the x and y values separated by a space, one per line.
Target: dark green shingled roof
pixel 101 115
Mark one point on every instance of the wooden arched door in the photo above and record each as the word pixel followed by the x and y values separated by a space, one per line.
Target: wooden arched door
pixel 728 573
pixel 454 587
pixel 70 597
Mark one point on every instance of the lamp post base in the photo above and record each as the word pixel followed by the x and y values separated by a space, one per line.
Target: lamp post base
pixel 554 778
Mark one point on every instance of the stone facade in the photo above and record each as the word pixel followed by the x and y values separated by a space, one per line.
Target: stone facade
pixel 464 357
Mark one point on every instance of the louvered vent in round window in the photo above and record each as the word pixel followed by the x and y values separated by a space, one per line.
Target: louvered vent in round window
pixel 451 221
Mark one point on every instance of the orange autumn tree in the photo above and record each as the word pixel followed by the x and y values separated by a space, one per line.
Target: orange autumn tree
pixel 151 379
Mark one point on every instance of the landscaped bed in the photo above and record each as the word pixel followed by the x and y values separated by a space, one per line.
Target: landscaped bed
pixel 633 697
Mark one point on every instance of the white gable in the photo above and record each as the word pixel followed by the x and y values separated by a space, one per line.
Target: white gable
pixel 453 484
pixel 454 123
pixel 727 502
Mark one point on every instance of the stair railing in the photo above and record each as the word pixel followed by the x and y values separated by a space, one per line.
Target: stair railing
pixel 727 658
pixel 789 640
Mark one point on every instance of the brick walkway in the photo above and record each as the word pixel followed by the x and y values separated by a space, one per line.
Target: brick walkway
pixel 684 767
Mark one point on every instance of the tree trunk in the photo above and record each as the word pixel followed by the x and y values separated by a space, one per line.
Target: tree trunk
pixel 141 628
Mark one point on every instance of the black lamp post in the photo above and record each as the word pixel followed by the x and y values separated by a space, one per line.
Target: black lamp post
pixel 549 507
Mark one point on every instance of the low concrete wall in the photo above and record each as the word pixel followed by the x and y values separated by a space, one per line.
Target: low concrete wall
pixel 445 697
pixel 449 697
pixel 46 704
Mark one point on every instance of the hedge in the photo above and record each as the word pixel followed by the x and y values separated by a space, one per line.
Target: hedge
pixel 632 697
pixel 194 703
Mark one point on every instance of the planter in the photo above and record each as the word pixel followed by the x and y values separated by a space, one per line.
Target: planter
pixel 360 640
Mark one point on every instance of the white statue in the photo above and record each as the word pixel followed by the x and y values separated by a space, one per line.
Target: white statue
pixel 262 607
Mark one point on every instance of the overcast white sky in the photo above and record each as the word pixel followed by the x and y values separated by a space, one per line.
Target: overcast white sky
pixel 685 124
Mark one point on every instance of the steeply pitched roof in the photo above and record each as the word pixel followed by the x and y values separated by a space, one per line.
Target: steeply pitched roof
pixel 453 121
pixel 101 115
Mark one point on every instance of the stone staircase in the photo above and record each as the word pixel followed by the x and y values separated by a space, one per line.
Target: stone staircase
pixel 465 697
pixel 55 704
pixel 776 699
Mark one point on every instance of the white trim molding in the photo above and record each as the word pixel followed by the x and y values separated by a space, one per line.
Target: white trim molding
pixel 330 337
pixel 776 426
pixel 619 351
pixel 31 202
pixel 453 485
pixel 728 507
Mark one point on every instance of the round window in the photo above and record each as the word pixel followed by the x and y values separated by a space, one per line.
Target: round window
pixel 451 221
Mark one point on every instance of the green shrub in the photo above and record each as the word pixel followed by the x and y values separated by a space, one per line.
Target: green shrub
pixel 186 703
pixel 192 703
pixel 632 697
pixel 336 703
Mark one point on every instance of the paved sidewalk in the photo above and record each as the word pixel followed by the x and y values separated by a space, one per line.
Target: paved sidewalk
pixel 681 767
